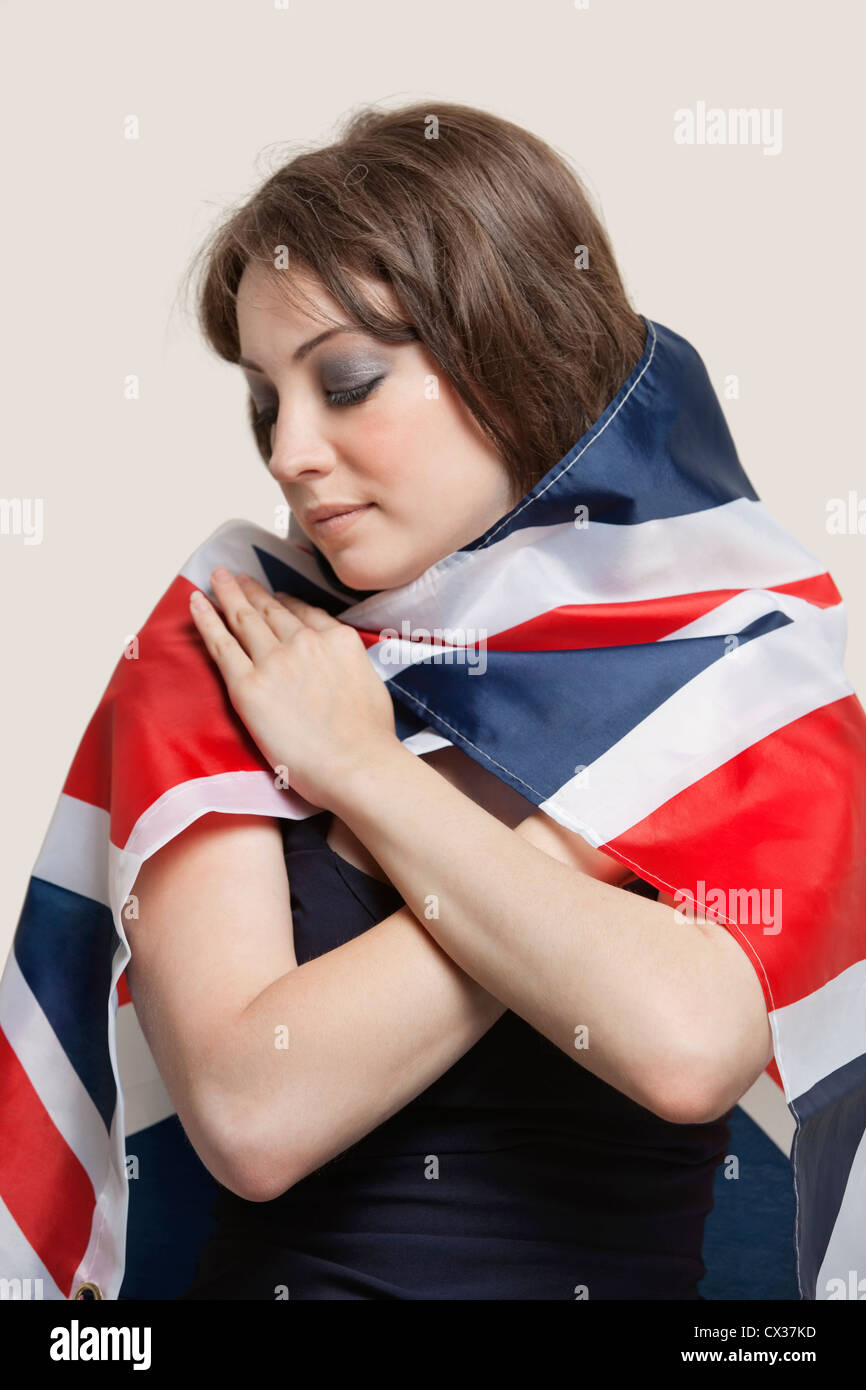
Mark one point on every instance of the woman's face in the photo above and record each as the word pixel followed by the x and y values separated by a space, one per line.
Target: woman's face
pixel 366 424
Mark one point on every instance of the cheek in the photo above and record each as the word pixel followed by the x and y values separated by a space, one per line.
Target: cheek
pixel 395 443
pixel 416 441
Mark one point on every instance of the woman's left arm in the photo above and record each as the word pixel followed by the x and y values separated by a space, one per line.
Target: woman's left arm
pixel 668 1011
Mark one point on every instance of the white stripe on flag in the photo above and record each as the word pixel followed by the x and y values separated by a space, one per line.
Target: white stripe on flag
pixel 104 1259
pixel 426 740
pixel 146 1100
pixel 74 853
pixel 823 1031
pixel 737 545
pixel 239 793
pixel 757 688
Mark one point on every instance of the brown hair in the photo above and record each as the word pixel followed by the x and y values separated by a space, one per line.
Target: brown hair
pixel 475 223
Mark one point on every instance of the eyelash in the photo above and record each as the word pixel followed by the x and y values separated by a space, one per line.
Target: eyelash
pixel 336 398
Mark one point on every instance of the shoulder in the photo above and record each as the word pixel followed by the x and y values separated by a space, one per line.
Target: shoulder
pixel 220 881
pixel 214 838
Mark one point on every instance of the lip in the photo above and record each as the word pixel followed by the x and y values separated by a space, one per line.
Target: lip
pixel 338 521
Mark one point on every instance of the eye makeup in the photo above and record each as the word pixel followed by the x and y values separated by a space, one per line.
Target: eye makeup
pixel 347 371
pixel 346 380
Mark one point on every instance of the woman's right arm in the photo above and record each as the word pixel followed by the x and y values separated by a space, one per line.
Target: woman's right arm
pixel 274 1068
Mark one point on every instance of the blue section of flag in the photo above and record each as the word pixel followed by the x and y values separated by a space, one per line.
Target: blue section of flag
pixel 832 1117
pixel 669 454
pixel 282 578
pixel 607 691
pixel 64 946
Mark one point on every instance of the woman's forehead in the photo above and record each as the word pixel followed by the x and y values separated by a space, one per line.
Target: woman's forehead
pixel 295 303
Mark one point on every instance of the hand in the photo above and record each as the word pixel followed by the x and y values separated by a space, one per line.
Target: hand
pixel 300 680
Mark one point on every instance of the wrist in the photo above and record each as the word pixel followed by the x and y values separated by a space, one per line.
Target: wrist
pixel 368 776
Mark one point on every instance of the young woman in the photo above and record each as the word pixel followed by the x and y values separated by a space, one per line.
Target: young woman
pixel 428 315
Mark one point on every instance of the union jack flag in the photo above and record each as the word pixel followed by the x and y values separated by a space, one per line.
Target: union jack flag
pixel 661 671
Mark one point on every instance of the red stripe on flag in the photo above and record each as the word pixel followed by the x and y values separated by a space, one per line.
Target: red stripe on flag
pixel 577 626
pixel 801 779
pixel 38 1166
pixel 818 589
pixel 165 717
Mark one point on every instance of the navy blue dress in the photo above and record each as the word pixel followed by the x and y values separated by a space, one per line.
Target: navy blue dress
pixel 517 1174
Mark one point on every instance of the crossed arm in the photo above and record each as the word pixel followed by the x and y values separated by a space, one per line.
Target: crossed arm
pixel 674 1012
pixel 367 1026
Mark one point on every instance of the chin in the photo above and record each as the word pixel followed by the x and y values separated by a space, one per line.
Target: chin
pixel 370 577
pixel 365 578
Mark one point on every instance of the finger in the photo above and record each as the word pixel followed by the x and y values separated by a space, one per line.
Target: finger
pixel 307 613
pixel 248 626
pixel 277 615
pixel 230 658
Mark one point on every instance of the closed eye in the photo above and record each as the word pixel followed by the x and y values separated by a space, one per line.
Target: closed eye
pixel 264 421
pixel 357 393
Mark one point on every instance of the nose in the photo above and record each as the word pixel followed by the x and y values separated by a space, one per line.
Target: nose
pixel 299 448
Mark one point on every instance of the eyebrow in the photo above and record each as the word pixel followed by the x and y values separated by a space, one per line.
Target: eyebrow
pixel 306 348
